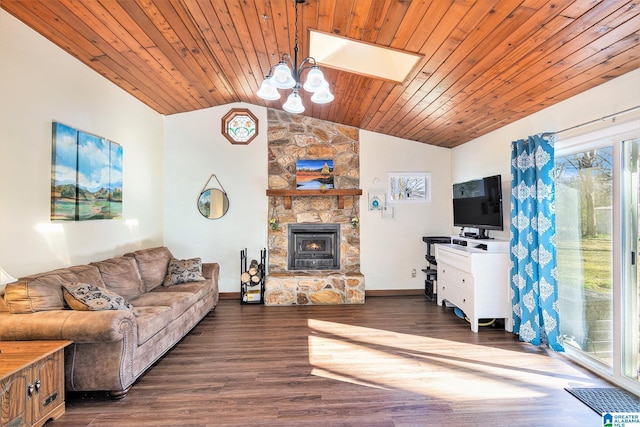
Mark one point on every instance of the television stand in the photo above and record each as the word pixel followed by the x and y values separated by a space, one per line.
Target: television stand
pixel 475 278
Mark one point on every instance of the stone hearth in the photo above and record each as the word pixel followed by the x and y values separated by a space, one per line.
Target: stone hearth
pixel 293 137
pixel 314 288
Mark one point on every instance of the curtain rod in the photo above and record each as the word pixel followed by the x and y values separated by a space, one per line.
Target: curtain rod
pixel 601 119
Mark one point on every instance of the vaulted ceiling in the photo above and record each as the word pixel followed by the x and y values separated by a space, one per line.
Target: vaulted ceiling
pixel 485 63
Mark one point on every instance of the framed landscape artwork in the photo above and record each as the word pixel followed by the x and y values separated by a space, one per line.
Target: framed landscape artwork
pixel 314 174
pixel 86 176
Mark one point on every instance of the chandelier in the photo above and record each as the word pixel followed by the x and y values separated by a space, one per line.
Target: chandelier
pixel 287 74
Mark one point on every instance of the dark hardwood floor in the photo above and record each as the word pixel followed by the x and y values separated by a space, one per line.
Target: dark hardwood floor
pixel 394 361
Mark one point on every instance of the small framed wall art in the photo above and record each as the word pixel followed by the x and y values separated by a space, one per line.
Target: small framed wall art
pixel 409 187
pixel 376 200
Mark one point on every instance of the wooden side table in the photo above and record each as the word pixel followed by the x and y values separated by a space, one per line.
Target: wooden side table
pixel 31 382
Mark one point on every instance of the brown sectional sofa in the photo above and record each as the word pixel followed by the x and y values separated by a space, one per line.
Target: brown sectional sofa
pixel 111 348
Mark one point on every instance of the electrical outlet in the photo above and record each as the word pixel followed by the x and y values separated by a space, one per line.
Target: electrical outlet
pixel 413 273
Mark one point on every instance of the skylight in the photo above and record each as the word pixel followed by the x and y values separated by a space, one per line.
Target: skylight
pixel 361 58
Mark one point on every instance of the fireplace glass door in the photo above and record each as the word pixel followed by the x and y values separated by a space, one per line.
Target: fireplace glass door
pixel 314 247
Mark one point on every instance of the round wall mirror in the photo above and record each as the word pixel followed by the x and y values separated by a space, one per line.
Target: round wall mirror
pixel 213 203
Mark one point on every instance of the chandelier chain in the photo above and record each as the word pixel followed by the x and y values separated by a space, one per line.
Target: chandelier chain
pixel 295 48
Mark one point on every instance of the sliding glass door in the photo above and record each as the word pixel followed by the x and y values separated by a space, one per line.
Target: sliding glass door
pixel 630 320
pixel 597 184
pixel 584 186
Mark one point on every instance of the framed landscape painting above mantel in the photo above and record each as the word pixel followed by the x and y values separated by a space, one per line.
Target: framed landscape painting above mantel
pixel 86 176
pixel 314 174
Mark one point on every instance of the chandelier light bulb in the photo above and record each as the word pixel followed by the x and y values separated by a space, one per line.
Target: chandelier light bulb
pixel 294 103
pixel 282 77
pixel 323 95
pixel 315 80
pixel 267 91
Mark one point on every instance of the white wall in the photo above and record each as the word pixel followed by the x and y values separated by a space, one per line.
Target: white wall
pixel 491 153
pixel 194 149
pixel 40 83
pixel 391 248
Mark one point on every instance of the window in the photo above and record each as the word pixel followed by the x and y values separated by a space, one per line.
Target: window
pixel 240 126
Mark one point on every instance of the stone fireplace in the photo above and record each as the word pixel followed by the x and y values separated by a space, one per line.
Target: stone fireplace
pixel 326 268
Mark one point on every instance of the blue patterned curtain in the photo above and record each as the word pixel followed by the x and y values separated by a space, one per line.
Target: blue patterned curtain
pixel 533 243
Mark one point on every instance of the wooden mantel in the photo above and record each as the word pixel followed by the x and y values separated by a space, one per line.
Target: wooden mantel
pixel 340 193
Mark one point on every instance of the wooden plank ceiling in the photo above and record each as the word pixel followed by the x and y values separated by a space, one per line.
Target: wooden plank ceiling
pixel 486 62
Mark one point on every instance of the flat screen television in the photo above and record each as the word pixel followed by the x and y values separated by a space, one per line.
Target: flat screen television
pixel 478 204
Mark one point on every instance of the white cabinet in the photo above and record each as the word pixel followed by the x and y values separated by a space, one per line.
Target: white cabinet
pixel 475 278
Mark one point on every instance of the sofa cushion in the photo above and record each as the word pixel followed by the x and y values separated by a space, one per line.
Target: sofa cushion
pixel 31 297
pixel 120 275
pixel 86 297
pixel 184 271
pixel 152 264
pixel 150 321
pixel 199 289
pixel 178 302
pixel 43 291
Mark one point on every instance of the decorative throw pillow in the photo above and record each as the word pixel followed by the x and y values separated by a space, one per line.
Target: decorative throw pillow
pixel 184 271
pixel 86 297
